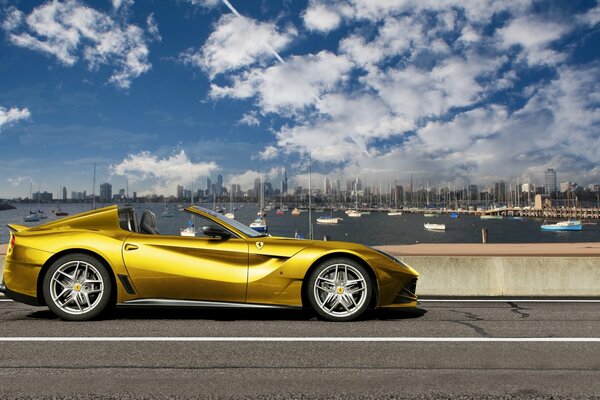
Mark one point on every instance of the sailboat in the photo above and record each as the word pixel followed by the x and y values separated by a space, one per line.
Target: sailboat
pixel 230 214
pixel 570 225
pixel 191 229
pixel 260 224
pixel 281 211
pixel 32 216
pixel 60 212
pixel 167 212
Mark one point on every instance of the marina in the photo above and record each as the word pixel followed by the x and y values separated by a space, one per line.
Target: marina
pixel 376 228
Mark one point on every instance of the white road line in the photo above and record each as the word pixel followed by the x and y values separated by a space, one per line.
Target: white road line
pixel 509 300
pixel 302 339
pixel 2 299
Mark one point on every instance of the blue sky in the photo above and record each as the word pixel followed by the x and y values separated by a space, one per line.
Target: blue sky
pixel 156 92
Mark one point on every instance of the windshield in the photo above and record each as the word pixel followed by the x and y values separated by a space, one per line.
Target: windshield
pixel 237 225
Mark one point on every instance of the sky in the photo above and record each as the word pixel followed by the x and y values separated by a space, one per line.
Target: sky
pixel 165 92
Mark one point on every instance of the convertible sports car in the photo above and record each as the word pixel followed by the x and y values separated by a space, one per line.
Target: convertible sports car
pixel 83 265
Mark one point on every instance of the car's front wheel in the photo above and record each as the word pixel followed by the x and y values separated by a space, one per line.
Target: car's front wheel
pixel 340 289
pixel 77 287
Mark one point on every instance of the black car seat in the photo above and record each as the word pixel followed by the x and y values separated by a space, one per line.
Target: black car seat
pixel 148 223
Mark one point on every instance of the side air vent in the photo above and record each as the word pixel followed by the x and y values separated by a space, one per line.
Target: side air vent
pixel 126 284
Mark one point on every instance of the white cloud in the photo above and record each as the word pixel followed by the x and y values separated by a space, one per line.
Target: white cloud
pixel 534 36
pixel 247 178
pixel 117 4
pixel 153 27
pixel 249 119
pixel 237 42
pixel 12 115
pixel 319 17
pixel 269 153
pixel 289 87
pixel 16 181
pixel 592 16
pixel 69 31
pixel 163 174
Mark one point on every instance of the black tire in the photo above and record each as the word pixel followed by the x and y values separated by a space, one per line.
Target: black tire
pixel 80 278
pixel 352 289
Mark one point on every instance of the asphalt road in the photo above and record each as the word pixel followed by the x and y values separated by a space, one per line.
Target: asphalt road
pixel 463 361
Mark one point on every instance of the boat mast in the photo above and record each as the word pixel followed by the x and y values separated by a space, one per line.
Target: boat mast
pixel 94 189
pixel 310 226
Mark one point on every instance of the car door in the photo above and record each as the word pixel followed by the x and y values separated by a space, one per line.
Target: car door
pixel 187 268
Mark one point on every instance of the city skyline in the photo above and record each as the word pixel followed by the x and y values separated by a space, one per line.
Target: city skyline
pixel 160 93
pixel 501 189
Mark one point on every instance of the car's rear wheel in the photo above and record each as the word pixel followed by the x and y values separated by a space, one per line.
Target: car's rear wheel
pixel 339 289
pixel 77 287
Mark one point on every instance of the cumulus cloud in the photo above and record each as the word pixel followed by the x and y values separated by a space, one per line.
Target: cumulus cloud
pixel 431 89
pixel 291 86
pixel 12 115
pixel 535 37
pixel 237 42
pixel 163 174
pixel 319 17
pixel 69 31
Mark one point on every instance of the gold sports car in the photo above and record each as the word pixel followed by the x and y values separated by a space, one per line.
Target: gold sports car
pixel 83 265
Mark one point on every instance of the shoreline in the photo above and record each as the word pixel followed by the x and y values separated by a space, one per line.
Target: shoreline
pixel 586 249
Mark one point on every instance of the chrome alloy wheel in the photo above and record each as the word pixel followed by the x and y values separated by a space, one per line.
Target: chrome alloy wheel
pixel 76 287
pixel 340 290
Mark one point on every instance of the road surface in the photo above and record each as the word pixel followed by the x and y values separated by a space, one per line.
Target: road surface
pixel 444 349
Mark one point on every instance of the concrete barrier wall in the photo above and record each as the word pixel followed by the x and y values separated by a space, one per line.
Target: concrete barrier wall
pixel 502 276
pixel 507 276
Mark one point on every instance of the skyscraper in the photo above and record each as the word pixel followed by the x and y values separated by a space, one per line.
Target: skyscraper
pixel 105 192
pixel 284 186
pixel 208 186
pixel 219 186
pixel 64 193
pixel 550 181
pixel 179 192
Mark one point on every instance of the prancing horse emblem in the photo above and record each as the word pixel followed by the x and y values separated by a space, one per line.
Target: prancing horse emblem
pixel 259 245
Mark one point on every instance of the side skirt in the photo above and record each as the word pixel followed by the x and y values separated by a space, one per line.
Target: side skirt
pixel 197 303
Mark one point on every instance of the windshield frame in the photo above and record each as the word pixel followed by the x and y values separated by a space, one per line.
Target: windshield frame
pixel 227 222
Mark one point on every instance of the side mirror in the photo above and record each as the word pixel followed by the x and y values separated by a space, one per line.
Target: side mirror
pixel 216 231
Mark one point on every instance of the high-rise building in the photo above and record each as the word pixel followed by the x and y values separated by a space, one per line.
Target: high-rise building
pixel 64 193
pixel 550 181
pixel 180 194
pixel 284 186
pixel 219 186
pixel 208 186
pixel 105 192
pixel 326 186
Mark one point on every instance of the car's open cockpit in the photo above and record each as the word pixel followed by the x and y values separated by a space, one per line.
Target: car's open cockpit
pixel 128 221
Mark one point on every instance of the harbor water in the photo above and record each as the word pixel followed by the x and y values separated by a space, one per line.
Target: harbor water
pixel 376 228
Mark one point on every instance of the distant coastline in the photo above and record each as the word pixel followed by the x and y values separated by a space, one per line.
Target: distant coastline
pixel 6 206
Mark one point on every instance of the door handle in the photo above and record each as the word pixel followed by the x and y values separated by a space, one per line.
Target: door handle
pixel 129 247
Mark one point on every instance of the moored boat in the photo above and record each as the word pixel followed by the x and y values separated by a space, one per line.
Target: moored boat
pixel 328 220
pixel 570 225
pixel 354 213
pixel 435 227
pixel 259 225
pixel 491 217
